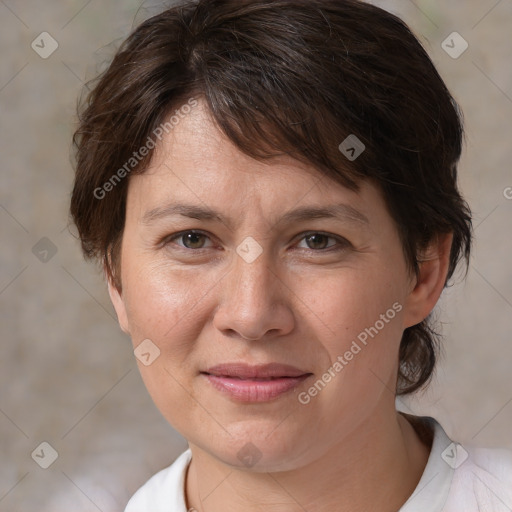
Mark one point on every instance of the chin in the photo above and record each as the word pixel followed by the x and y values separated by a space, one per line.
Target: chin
pixel 259 450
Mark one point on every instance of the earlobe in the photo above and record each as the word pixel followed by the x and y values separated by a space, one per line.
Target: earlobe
pixel 433 270
pixel 118 303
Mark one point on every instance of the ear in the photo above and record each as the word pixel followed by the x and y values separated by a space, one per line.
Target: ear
pixel 433 269
pixel 118 303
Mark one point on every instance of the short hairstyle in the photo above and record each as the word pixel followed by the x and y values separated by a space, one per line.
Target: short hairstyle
pixel 284 77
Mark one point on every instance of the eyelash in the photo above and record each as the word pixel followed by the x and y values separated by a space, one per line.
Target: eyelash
pixel 343 243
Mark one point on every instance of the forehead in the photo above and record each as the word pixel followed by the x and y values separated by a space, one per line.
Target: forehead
pixel 197 144
pixel 195 163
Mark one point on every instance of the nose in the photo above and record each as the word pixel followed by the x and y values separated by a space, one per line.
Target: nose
pixel 254 301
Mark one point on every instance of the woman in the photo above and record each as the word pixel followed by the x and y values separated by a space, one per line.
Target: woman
pixel 271 187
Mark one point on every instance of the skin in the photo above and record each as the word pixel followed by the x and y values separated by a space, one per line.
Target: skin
pixel 302 302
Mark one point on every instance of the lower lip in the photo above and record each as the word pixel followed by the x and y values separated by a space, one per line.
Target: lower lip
pixel 254 390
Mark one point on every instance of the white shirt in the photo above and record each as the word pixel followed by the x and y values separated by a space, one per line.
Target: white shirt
pixel 455 479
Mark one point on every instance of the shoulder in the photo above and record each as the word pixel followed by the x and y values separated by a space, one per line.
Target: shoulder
pixel 495 461
pixel 163 491
pixel 460 477
pixel 482 479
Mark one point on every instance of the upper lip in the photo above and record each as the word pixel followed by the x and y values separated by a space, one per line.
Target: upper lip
pixel 261 371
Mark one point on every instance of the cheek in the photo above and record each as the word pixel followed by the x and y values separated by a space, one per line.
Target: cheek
pixel 160 299
pixel 349 302
pixel 165 305
pixel 361 314
pixel 364 317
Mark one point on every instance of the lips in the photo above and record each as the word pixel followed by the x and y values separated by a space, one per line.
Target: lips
pixel 251 384
pixel 255 372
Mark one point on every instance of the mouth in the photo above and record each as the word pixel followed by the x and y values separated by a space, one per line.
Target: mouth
pixel 259 383
pixel 255 372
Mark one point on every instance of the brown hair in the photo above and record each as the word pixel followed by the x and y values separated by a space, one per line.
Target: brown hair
pixel 284 77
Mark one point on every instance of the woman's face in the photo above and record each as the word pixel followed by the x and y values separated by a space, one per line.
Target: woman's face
pixel 264 279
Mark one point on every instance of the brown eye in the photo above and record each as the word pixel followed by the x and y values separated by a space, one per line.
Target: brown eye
pixel 320 242
pixel 189 239
pixel 193 240
pixel 317 241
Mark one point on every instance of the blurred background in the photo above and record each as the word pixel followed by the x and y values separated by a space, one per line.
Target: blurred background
pixel 68 376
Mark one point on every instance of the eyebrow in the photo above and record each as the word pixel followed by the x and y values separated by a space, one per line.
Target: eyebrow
pixel 343 212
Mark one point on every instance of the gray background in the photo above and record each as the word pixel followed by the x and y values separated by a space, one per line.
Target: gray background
pixel 67 373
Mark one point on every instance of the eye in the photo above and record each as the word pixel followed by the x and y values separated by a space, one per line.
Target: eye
pixel 190 239
pixel 316 241
pixel 320 241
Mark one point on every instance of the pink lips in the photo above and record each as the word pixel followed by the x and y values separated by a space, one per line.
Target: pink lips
pixel 259 383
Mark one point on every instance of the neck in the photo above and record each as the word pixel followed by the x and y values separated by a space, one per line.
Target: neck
pixel 377 466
